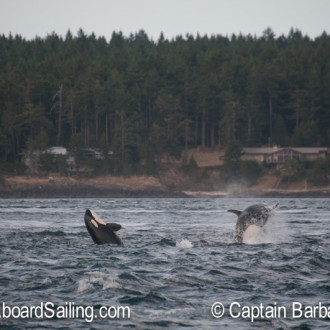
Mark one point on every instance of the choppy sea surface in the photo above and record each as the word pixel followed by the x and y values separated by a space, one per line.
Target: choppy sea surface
pixel 178 260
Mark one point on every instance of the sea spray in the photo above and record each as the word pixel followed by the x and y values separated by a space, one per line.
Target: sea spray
pixel 274 231
pixel 184 244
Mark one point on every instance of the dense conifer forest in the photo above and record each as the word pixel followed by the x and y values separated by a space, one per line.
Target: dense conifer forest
pixel 141 98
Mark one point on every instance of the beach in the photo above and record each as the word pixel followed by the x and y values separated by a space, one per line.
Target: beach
pixel 141 186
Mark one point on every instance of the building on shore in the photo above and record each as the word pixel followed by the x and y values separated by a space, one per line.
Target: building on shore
pixel 276 156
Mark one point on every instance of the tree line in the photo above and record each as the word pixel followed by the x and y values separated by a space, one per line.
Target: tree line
pixel 142 98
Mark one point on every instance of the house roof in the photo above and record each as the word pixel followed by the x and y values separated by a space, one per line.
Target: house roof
pixel 273 150
pixel 57 151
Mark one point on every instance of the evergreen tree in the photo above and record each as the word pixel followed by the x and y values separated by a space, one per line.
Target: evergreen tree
pixel 141 98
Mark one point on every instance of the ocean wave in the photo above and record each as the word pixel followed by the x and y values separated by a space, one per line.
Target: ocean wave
pixel 164 271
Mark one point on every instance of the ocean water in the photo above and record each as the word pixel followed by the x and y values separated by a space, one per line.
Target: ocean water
pixel 178 260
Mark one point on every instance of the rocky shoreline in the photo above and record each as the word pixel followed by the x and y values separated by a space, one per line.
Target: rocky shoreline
pixel 262 193
pixel 85 191
pixel 83 188
pixel 134 187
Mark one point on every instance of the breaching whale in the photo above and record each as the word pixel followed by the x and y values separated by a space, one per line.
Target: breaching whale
pixel 100 231
pixel 252 218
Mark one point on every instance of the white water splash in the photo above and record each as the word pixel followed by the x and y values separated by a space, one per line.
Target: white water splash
pixel 255 235
pixel 184 244
pixel 105 280
pixel 252 235
pixel 84 285
pixel 275 231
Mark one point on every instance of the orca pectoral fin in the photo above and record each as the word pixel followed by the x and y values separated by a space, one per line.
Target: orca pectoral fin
pixel 113 226
pixel 238 213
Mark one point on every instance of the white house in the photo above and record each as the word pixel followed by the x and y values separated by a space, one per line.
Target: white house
pixel 276 156
pixel 57 150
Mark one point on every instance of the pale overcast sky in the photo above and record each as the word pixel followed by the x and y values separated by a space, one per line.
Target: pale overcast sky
pixel 31 18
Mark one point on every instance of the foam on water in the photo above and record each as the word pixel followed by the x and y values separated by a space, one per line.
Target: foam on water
pixel 84 284
pixel 105 280
pixel 184 244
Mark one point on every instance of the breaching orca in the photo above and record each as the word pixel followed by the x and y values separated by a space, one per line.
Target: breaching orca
pixel 100 231
pixel 252 218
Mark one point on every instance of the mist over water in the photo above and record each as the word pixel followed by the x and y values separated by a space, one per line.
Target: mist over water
pixel 179 258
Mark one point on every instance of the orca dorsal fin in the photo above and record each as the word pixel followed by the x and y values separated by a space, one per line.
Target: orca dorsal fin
pixel 113 226
pixel 238 213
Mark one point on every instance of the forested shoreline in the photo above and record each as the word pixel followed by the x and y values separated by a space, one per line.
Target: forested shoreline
pixel 142 98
